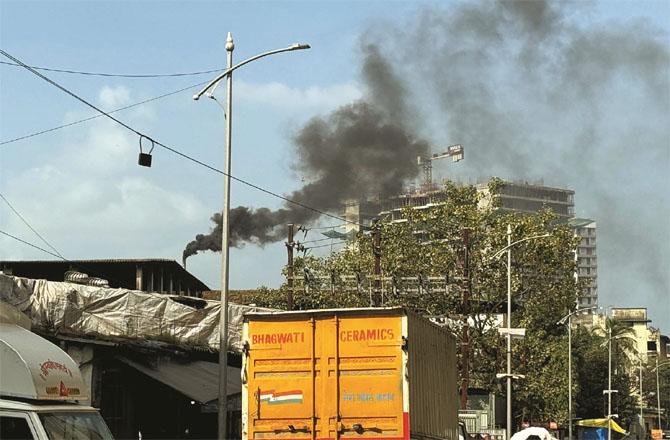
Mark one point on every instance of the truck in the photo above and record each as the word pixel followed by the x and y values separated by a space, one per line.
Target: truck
pixel 40 391
pixel 368 373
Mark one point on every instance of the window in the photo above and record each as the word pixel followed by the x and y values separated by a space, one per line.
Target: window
pixel 651 346
pixel 75 426
pixel 15 428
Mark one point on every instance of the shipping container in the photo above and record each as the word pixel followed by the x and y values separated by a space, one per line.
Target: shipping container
pixel 375 373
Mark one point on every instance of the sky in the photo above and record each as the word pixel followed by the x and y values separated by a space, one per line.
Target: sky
pixel 574 95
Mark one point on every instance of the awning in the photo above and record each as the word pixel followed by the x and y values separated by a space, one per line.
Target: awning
pixel 601 423
pixel 197 380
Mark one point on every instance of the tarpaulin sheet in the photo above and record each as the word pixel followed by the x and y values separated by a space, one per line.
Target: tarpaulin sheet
pixel 601 423
pixel 120 313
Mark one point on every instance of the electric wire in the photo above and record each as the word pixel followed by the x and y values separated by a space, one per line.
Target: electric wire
pixel 73 265
pixel 315 241
pixel 32 245
pixel 320 228
pixel 174 150
pixel 23 219
pixel 100 115
pixel 324 245
pixel 116 75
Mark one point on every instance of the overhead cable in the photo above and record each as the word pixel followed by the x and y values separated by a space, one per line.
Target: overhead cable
pixel 32 245
pixel 99 115
pixel 74 264
pixel 18 214
pixel 324 245
pixel 116 75
pixel 317 240
pixel 171 149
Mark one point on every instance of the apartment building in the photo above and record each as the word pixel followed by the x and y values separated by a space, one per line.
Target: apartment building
pixel 587 260
pixel 514 196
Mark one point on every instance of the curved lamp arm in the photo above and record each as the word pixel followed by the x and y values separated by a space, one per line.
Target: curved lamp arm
pixel 226 72
pixel 565 318
pixel 502 251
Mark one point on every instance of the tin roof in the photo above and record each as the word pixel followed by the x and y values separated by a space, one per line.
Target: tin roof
pixel 196 380
pixel 119 272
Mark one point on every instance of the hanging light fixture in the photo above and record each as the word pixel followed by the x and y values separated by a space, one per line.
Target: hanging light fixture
pixel 145 158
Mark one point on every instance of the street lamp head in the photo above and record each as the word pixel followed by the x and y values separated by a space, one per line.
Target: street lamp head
pixel 299 46
pixel 230 45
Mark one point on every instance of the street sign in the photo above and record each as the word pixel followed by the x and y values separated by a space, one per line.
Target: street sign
pixel 513 376
pixel 516 333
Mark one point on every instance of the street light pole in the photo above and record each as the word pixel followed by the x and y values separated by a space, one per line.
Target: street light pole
pixel 658 388
pixel 225 251
pixel 225 223
pixel 509 332
pixel 508 375
pixel 658 395
pixel 568 317
pixel 641 398
pixel 609 386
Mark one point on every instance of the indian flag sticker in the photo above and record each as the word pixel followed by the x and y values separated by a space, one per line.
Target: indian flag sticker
pixel 275 398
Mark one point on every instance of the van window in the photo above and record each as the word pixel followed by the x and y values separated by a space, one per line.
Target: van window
pixel 75 426
pixel 15 428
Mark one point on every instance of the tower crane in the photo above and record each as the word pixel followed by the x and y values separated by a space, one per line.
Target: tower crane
pixel 426 163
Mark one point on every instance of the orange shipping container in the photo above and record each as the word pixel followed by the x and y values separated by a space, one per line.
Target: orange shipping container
pixel 348 374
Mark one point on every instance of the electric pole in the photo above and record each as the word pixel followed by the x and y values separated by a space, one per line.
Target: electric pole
pixel 289 250
pixel 377 252
pixel 465 311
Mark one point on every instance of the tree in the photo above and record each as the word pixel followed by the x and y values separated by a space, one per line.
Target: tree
pixel 424 268
pixel 591 361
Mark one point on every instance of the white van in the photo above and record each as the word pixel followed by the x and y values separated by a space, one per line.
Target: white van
pixel 40 390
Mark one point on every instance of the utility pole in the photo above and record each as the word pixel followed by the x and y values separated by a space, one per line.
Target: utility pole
pixel 377 252
pixel 289 250
pixel 465 311
pixel 609 385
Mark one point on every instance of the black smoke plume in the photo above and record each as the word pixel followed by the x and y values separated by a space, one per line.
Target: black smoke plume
pixel 362 149
pixel 533 90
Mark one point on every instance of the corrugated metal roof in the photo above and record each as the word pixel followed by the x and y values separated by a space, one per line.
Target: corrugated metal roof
pixel 197 380
pixel 104 260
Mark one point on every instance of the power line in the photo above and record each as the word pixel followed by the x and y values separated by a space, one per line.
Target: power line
pixel 324 245
pixel 327 227
pixel 30 227
pixel 171 149
pixel 32 245
pixel 99 115
pixel 116 75
pixel 316 241
pixel 75 265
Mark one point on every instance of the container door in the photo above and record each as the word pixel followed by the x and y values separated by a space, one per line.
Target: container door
pixel 371 380
pixel 326 378
pixel 280 379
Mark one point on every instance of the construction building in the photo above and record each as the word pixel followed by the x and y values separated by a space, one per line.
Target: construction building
pixel 513 196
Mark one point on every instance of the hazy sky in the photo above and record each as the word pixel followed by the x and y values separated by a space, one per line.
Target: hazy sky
pixel 81 188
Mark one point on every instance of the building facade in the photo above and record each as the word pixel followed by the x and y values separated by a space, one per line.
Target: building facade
pixel 513 196
pixel 587 259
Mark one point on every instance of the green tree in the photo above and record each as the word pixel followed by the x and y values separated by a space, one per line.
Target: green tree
pixel 430 243
pixel 591 363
